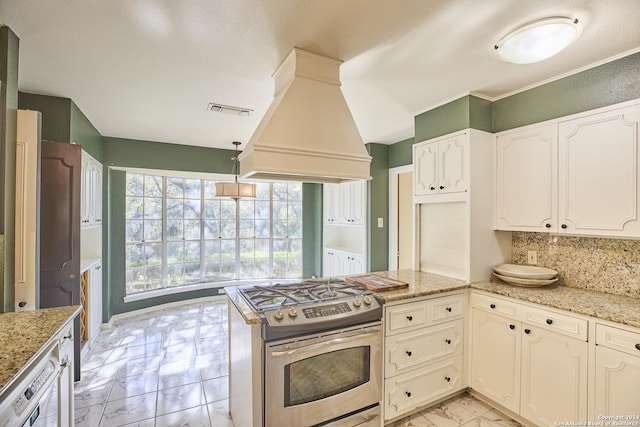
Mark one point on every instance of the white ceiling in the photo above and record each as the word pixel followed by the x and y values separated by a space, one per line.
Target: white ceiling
pixel 146 69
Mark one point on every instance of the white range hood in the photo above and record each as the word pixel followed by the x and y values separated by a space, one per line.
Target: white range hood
pixel 308 133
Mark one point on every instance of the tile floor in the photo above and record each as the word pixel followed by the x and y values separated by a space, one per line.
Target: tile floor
pixel 169 368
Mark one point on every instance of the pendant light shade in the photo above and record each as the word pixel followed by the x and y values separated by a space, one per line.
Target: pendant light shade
pixel 538 40
pixel 235 190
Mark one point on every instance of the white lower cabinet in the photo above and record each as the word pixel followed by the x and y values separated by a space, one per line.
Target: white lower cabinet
pixel 617 383
pixel 535 368
pixel 95 301
pixel 341 263
pixel 65 379
pixel 423 353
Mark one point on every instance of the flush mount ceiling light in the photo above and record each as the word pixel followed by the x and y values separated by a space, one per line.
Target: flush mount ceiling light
pixel 236 190
pixel 538 40
pixel 228 109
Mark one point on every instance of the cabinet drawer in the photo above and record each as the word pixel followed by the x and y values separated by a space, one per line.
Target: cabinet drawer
pixel 417 388
pixel 445 308
pixel 618 339
pixel 414 349
pixel 66 335
pixel 414 315
pixel 493 305
pixel 561 323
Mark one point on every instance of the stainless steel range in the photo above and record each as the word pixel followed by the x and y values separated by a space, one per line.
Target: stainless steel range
pixel 321 353
pixel 291 309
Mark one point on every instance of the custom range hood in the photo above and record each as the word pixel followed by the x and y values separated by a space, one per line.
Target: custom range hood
pixel 308 133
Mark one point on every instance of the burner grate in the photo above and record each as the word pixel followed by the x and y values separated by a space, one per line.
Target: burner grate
pixel 265 297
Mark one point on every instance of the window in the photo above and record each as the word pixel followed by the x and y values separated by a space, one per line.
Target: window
pixel 178 233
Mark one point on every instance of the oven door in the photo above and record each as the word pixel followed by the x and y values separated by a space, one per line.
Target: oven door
pixel 314 379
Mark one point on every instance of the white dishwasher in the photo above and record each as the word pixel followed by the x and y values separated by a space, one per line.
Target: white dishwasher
pixel 32 399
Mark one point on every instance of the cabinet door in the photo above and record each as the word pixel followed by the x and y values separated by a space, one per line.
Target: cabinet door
pixel 354 264
pixel 554 377
pixel 95 301
pixel 331 203
pixel 356 202
pixel 453 155
pixel 527 180
pixel 85 193
pixel 97 193
pixel 617 385
pixel 425 169
pixel 328 261
pixel 598 174
pixel 495 366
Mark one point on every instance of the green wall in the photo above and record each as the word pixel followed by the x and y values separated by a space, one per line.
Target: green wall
pixel 83 132
pixel 400 153
pixel 378 207
pixel 463 113
pixel 312 230
pixel 9 48
pixel 607 84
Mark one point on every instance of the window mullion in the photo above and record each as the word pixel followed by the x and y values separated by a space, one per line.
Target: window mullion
pixel 202 245
pixel 237 239
pixel 271 273
pixel 165 268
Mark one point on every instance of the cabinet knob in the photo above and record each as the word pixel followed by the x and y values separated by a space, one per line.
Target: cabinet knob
pixel 409 353
pixel 448 309
pixel 448 379
pixel 442 187
pixel 447 341
pixel 547 225
pixel 432 188
pixel 66 362
pixel 564 226
pixel 549 321
pixel 21 304
pixel 527 331
pixel 512 326
pixel 637 346
pixel 408 393
pixel 492 306
pixel 68 337
pixel 409 318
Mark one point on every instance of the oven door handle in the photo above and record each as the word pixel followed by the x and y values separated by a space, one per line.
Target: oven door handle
pixel 339 340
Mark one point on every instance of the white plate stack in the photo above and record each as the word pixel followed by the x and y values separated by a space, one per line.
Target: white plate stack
pixel 525 275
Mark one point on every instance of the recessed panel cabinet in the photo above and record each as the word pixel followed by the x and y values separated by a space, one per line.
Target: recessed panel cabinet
pixel 440 166
pixel 91 197
pixel 533 362
pixel 578 175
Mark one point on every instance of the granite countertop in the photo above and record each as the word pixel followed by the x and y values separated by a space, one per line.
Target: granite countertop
pixel 24 335
pixel 614 308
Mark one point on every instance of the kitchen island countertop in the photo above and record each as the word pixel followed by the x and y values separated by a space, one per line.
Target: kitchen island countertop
pixel 25 335
pixel 614 308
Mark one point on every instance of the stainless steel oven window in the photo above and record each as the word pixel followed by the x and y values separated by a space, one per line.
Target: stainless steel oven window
pixel 326 375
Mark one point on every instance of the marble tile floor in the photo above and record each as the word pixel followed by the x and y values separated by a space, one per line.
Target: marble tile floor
pixel 163 368
pixel 169 368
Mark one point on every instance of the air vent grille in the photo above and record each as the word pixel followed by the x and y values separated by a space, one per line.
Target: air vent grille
pixel 228 109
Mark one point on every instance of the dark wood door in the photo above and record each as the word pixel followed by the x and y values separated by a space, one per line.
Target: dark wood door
pixel 60 230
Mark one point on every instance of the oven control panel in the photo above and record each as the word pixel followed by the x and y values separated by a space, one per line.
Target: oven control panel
pixel 321 312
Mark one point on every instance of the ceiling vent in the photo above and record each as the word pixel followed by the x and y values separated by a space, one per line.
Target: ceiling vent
pixel 308 133
pixel 228 109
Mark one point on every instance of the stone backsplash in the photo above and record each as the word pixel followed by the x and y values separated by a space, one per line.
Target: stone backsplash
pixel 605 265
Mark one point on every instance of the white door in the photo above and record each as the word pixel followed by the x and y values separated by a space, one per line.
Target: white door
pixel 617 382
pixel 527 180
pixel 425 161
pixel 599 160
pixel 495 366
pixel 554 377
pixel 452 170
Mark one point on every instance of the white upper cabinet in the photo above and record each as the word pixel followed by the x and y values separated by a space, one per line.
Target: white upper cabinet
pixel 598 174
pixel 344 203
pixel 576 175
pixel 91 196
pixel 526 179
pixel 440 166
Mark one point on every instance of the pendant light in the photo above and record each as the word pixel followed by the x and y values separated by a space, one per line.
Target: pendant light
pixel 235 190
pixel 538 40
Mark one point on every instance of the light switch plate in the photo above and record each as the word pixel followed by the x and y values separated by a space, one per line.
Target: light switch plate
pixel 532 257
pixel 380 222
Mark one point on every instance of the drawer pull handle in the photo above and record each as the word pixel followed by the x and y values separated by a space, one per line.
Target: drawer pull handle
pixel 448 309
pixel 408 353
pixel 432 188
pixel 637 346
pixel 564 226
pixel 549 321
pixel 448 341
pixel 409 318
pixel 408 393
pixel 68 337
pixel 492 306
pixel 448 379
pixel 527 331
pixel 512 326
pixel 442 187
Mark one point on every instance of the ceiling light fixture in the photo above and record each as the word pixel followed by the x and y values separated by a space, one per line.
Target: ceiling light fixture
pixel 235 190
pixel 538 40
